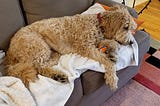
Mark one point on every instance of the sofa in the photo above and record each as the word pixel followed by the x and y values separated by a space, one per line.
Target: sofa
pixel 90 89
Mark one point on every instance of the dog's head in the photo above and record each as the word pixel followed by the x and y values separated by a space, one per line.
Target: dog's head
pixel 117 24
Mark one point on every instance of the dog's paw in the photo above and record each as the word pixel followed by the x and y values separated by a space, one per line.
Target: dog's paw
pixel 113 53
pixel 113 57
pixel 111 80
pixel 60 78
pixel 112 48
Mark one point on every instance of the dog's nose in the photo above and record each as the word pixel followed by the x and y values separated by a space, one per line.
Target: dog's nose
pixel 131 42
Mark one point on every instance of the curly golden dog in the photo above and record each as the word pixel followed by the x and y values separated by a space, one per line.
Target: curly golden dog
pixel 34 49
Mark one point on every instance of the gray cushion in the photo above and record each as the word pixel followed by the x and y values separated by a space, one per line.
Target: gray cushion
pixel 91 81
pixel 11 20
pixel 143 40
pixel 2 70
pixel 39 9
pixel 76 94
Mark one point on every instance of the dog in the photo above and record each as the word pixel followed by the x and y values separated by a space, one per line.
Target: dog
pixel 34 49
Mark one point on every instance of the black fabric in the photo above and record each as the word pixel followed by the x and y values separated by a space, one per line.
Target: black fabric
pixel 154 61
pixel 151 50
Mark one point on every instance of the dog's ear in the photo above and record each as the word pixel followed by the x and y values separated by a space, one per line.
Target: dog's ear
pixel 132 25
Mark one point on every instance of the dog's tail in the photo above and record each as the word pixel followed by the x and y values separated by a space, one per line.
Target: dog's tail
pixel 27 72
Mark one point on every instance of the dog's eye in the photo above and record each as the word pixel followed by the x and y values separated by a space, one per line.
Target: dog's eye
pixel 126 26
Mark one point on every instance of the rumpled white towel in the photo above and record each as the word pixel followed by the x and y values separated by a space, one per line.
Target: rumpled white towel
pixel 2 54
pixel 47 92
pixel 14 93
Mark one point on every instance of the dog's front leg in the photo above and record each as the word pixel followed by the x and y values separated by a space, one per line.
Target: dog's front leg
pixel 110 66
pixel 112 48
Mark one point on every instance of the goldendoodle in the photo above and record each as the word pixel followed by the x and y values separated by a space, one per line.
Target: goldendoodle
pixel 34 49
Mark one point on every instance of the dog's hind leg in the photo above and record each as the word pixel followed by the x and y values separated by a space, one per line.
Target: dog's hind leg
pixel 24 71
pixel 54 74
pixel 47 69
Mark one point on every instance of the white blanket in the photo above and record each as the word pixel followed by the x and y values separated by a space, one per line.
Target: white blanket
pixel 48 92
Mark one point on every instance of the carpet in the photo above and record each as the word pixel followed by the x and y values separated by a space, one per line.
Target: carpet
pixel 150 69
pixel 133 94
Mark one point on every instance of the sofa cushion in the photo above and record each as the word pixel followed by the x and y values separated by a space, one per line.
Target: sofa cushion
pixel 40 9
pixel 91 81
pixel 143 40
pixel 11 20
pixel 76 94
